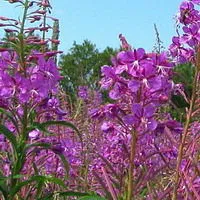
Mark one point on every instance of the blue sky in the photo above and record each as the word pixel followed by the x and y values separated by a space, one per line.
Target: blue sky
pixel 102 21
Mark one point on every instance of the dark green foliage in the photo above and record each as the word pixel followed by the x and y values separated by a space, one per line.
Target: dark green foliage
pixel 81 66
pixel 183 74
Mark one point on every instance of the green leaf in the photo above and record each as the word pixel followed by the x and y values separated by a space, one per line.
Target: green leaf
pixel 38 179
pixel 3 190
pixel 92 198
pixel 9 135
pixel 8 177
pixel 44 125
pixel 2 178
pixel 54 180
pixel 39 189
pixel 65 163
pixel 48 146
pixel 10 117
pixel 64 194
pixel 36 125
pixel 19 186
pixel 60 123
pixel 64 123
pixel 71 193
pixel 39 144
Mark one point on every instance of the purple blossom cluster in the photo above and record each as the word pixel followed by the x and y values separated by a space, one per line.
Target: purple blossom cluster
pixel 40 80
pixel 140 85
pixel 185 49
pixel 29 90
pixel 184 46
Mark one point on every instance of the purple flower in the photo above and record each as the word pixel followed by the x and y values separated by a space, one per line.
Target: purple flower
pixel 131 57
pixel 58 149
pixel 53 103
pixel 83 92
pixel 191 35
pixel 34 134
pixel 195 1
pixel 44 77
pixel 109 78
pixel 180 53
pixel 188 14
pixel 147 79
pixel 117 91
pixel 107 127
pixel 142 117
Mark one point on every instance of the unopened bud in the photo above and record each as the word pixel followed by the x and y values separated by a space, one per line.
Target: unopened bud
pixel 163 98
pixel 31 4
pixel 14 1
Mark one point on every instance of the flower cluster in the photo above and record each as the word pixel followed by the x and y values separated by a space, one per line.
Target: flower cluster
pixel 29 79
pixel 141 83
pixel 185 49
pixel 184 46
pixel 40 80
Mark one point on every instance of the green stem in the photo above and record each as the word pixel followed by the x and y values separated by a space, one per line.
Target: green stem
pixel 24 16
pixel 130 195
pixel 44 31
pixel 21 37
pixel 19 160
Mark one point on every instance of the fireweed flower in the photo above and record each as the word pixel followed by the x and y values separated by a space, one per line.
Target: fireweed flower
pixel 180 53
pixel 34 134
pixel 146 78
pixel 139 83
pixel 191 35
pixel 188 13
pixel 142 116
pixel 183 47
pixel 83 92
pixel 195 1
pixel 42 79
pixel 143 81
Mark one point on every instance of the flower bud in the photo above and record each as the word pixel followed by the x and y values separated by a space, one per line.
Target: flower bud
pixel 163 99
pixel 14 1
pixel 58 149
pixel 31 4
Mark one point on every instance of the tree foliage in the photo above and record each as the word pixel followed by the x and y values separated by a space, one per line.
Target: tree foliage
pixel 81 65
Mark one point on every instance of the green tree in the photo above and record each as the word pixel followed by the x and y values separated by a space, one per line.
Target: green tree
pixel 81 66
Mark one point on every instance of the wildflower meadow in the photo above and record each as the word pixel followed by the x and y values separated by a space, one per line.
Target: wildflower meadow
pixel 121 124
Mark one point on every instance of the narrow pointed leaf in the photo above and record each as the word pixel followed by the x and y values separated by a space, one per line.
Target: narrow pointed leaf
pixel 41 144
pixel 37 179
pixel 65 163
pixel 9 135
pixel 92 198
pixel 10 117
pixel 64 194
pixel 44 125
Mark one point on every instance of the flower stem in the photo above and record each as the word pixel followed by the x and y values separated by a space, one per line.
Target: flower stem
pixel 185 131
pixel 18 162
pixel 131 166
pixel 21 37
